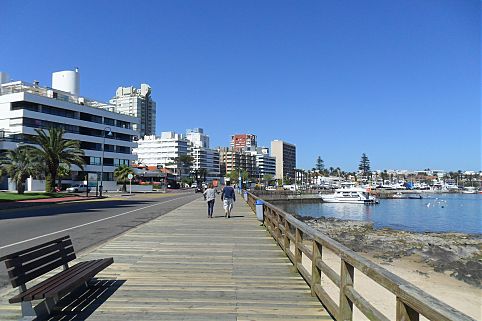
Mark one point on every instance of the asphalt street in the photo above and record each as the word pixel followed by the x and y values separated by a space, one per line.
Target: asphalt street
pixel 88 223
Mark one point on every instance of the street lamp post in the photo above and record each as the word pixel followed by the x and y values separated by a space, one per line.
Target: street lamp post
pixel 102 160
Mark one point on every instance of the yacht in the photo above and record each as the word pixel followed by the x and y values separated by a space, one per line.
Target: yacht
pixel 470 190
pixel 353 195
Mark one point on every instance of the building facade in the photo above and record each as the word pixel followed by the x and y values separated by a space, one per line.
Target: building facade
pixel 205 160
pixel 243 142
pixel 285 154
pixel 197 137
pixel 137 103
pixel 25 107
pixel 205 163
pixel 231 160
pixel 266 164
pixel 162 151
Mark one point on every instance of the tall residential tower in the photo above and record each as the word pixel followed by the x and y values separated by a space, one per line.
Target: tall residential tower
pixel 285 154
pixel 138 103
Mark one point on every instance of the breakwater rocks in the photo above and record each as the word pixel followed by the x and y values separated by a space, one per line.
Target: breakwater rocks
pixel 458 254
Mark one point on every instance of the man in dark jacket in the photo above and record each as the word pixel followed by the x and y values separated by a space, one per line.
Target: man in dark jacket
pixel 228 197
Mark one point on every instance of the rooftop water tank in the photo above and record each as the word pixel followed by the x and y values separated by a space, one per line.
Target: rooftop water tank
pixel 67 80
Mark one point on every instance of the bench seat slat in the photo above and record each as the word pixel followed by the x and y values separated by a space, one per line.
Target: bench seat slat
pixel 49 282
pixel 63 282
pixel 22 279
pixel 85 276
pixel 63 279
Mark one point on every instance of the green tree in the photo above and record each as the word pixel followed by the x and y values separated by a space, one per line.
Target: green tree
pixel 53 150
pixel 121 174
pixel 267 178
pixel 364 166
pixel 64 171
pixel 234 176
pixel 320 165
pixel 19 164
pixel 184 163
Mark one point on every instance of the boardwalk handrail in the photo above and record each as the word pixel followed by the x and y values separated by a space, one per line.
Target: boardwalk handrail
pixel 411 302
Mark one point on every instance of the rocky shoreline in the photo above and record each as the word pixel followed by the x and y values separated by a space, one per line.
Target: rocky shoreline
pixel 456 254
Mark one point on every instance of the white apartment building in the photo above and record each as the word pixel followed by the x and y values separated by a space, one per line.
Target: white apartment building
pixel 266 164
pixel 137 103
pixel 197 137
pixel 25 107
pixel 285 154
pixel 162 150
pixel 204 158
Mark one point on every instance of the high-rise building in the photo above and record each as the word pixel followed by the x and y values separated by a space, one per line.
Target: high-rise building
pixel 243 142
pixel 25 107
pixel 266 164
pixel 197 137
pixel 232 160
pixel 285 154
pixel 205 160
pixel 163 151
pixel 137 103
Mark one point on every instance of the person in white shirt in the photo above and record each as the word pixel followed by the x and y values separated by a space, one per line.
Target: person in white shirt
pixel 210 197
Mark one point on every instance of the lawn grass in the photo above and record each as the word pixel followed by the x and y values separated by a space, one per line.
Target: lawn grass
pixel 12 197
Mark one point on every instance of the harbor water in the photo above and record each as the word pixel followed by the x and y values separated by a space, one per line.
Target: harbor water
pixel 432 213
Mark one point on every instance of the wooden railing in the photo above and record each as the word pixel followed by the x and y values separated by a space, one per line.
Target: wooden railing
pixel 293 235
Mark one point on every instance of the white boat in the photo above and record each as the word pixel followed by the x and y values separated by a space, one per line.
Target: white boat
pixel 352 195
pixel 470 190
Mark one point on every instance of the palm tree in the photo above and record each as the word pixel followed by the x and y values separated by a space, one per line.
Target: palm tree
pixel 64 171
pixel 121 173
pixel 183 162
pixel 54 149
pixel 19 164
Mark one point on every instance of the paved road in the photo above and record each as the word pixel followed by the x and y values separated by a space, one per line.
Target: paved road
pixel 88 223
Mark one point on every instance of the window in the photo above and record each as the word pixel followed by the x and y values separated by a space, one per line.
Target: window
pixel 94 161
pixel 109 121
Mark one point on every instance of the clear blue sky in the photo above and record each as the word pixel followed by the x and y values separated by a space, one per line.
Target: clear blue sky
pixel 398 80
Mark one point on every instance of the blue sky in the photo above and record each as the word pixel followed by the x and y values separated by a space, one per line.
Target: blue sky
pixel 397 80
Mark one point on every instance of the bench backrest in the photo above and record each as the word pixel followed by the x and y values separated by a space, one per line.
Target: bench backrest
pixel 28 264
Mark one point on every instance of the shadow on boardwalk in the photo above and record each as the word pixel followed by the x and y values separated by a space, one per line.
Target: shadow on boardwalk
pixel 79 305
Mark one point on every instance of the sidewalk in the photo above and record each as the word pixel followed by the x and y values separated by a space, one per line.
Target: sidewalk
pixel 184 266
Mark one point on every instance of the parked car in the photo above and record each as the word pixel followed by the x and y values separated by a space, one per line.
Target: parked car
pixel 198 190
pixel 78 188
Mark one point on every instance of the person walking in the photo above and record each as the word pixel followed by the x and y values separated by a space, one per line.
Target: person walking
pixel 210 197
pixel 228 197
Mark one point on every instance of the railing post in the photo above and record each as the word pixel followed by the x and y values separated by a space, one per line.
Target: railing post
pixel 405 313
pixel 298 242
pixel 286 240
pixel 346 279
pixel 278 230
pixel 315 271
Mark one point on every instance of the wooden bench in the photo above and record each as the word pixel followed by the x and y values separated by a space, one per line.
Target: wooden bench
pixel 27 265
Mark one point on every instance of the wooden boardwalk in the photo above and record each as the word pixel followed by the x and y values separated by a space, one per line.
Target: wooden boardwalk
pixel 184 266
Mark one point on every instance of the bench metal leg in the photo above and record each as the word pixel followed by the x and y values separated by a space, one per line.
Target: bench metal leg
pixel 41 310
pixel 28 313
pixel 46 307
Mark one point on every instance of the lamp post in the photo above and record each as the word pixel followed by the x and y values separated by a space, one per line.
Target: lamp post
pixel 102 160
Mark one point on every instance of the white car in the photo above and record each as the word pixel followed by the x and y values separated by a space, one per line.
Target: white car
pixel 78 188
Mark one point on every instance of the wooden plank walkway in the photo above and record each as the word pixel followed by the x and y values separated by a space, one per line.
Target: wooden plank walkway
pixel 184 266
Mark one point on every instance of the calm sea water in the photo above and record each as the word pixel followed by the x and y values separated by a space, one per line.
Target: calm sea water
pixel 433 213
